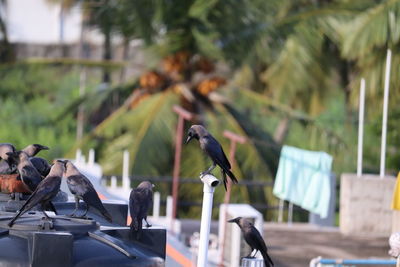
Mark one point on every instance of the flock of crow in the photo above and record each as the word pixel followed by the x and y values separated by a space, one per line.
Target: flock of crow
pixel 44 180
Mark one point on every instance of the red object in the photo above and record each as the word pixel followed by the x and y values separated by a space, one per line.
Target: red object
pixel 10 184
pixel 183 115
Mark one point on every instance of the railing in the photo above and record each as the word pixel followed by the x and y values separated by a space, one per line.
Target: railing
pixel 117 181
pixel 318 262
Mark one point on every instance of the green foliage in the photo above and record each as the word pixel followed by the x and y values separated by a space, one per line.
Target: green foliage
pixel 298 62
pixel 29 97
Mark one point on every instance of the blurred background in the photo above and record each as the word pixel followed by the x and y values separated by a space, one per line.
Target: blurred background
pixel 105 75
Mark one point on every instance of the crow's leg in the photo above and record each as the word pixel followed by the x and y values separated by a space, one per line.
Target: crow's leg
pixel 76 207
pixel 86 211
pixel 254 254
pixel 212 167
pixel 47 216
pixel 147 224
pixel 249 256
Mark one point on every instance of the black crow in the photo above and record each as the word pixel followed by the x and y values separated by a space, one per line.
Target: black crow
pixel 45 191
pixel 6 148
pixel 27 172
pixel 41 165
pixel 33 149
pixel 82 188
pixel 253 239
pixel 140 200
pixel 213 149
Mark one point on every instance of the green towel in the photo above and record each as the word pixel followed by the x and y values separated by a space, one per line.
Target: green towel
pixel 303 178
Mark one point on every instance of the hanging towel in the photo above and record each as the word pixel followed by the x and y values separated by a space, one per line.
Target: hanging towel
pixel 303 178
pixel 396 194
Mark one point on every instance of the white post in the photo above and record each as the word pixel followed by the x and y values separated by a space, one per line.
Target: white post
pixel 252 262
pixel 360 128
pixel 168 214
pixel 78 155
pixel 385 110
pixel 113 182
pixel 156 205
pixel 280 214
pixel 210 182
pixel 290 213
pixel 235 247
pixel 223 208
pixel 126 183
pixel 91 157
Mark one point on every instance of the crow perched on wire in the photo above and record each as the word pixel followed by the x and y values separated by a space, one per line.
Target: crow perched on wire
pixel 253 239
pixel 82 188
pixel 213 149
pixel 140 200
pixel 45 191
pixel 27 172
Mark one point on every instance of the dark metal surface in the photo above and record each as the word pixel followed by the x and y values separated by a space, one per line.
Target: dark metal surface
pixel 65 241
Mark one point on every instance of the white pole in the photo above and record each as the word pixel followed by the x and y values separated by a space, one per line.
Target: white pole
pixel 385 110
pixel 78 155
pixel 126 185
pixel 169 213
pixel 113 182
pixel 290 213
pixel 281 207
pixel 360 128
pixel 221 230
pixel 91 157
pixel 210 182
pixel 156 205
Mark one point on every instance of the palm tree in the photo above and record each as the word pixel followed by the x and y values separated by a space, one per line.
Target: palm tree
pixel 200 44
pixel 192 39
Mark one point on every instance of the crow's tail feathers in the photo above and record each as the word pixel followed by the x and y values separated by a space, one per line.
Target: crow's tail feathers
pixel 232 176
pixel 136 227
pixel 224 179
pixel 106 215
pixel 267 259
pixel 11 223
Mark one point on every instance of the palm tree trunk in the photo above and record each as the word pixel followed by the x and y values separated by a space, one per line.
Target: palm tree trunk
pixel 344 70
pixel 282 130
pixel 107 56
pixel 6 49
pixel 125 54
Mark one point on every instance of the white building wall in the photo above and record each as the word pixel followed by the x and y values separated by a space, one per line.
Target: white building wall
pixel 38 22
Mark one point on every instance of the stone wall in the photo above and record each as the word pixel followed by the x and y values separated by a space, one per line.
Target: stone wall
pixel 365 204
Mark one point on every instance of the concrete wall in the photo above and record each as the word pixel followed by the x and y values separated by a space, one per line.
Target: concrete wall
pixel 365 204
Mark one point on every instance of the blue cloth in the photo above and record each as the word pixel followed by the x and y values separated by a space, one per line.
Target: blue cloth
pixel 303 178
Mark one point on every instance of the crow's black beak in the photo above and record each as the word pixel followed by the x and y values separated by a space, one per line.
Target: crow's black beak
pixel 232 221
pixel 188 139
pixel 44 148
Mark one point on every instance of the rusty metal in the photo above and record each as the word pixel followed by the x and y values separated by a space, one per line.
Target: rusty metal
pixel 183 115
pixel 10 184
